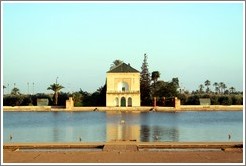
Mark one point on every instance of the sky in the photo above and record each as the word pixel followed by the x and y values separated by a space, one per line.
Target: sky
pixel 75 43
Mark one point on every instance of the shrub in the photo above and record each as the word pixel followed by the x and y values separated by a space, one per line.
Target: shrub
pixel 225 100
pixel 13 100
pixel 193 100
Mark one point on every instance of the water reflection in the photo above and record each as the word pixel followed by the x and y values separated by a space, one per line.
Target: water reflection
pixel 139 127
pixel 122 126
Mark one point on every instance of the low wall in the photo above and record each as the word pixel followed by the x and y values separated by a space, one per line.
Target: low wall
pixel 27 108
pixel 211 107
pixel 129 109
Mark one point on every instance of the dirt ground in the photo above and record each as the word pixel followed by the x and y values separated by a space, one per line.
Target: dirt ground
pixel 10 156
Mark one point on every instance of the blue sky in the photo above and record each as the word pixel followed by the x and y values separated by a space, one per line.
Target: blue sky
pixel 77 42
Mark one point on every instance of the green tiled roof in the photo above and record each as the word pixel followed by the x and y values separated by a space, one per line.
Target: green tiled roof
pixel 123 68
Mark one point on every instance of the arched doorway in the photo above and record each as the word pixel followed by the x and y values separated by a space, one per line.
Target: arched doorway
pixel 123 102
pixel 129 102
pixel 116 102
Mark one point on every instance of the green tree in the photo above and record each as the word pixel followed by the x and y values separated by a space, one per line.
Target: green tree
pixel 216 87
pixel 193 100
pixel 225 100
pixel 116 63
pixel 15 91
pixel 86 98
pixel 175 82
pixel 201 88
pixel 232 89
pixel 102 95
pixel 222 87
pixel 154 77
pixel 13 100
pixel 77 98
pixel 167 89
pixel 145 83
pixel 237 99
pixel 207 84
pixel 56 88
pixel 98 98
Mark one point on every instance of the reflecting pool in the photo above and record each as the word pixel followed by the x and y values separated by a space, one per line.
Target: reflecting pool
pixel 191 126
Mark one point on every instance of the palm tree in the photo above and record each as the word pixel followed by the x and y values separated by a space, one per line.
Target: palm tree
pixel 56 88
pixel 116 63
pixel 15 91
pixel 154 77
pixel 201 88
pixel 207 83
pixel 222 86
pixel 232 89
pixel 216 89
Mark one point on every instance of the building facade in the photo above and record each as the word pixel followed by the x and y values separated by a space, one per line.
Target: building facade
pixel 123 87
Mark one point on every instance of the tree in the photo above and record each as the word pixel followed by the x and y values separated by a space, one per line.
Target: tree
pixel 102 95
pixel 207 84
pixel 77 98
pixel 201 88
pixel 216 88
pixel 116 63
pixel 166 89
pixel 56 88
pixel 232 89
pixel 15 91
pixel 154 77
pixel 86 98
pixel 175 81
pixel 3 88
pixel 222 87
pixel 145 83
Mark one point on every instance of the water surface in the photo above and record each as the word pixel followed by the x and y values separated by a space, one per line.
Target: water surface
pixel 108 126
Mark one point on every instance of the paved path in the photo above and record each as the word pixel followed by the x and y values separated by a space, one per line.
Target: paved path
pixel 124 152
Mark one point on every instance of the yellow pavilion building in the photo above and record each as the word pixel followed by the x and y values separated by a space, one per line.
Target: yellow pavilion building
pixel 123 86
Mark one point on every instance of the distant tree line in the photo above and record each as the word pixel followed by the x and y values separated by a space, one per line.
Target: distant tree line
pixel 215 99
pixel 150 87
pixel 81 98
pixel 221 95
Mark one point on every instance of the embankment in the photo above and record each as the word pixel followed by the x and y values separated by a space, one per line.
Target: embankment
pixel 130 109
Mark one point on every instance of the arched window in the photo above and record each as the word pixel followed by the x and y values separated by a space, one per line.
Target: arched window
pixel 116 102
pixel 123 86
pixel 123 102
pixel 129 102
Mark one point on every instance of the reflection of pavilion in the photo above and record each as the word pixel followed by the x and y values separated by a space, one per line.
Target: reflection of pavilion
pixel 123 86
pixel 121 130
